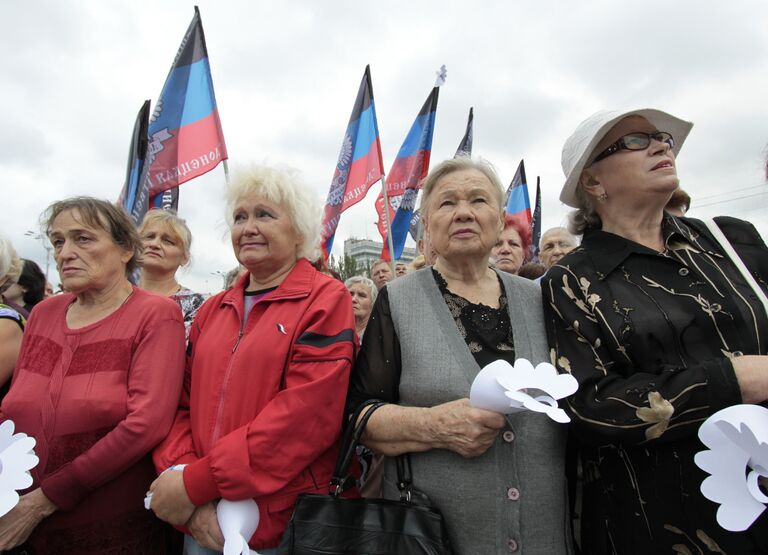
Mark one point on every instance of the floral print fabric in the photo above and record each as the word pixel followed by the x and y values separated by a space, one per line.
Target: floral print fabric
pixel 649 336
pixel 189 302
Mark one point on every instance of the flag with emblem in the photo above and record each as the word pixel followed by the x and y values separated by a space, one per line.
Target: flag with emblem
pixel 407 174
pixel 360 163
pixel 518 204
pixel 185 135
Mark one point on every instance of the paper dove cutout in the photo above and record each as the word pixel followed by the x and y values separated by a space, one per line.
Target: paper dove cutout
pixel 737 438
pixel 504 388
pixel 17 458
pixel 238 521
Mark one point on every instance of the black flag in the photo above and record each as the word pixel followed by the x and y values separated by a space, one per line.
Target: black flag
pixel 465 148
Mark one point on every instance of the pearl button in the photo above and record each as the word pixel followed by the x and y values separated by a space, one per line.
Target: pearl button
pixel 513 494
pixel 683 271
pixel 508 436
pixel 512 545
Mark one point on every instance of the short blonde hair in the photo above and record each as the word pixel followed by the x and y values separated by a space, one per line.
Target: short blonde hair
pixel 418 263
pixel 283 186
pixel 457 164
pixel 10 263
pixel 178 227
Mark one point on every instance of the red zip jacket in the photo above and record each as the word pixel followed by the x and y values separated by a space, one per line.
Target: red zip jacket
pixel 261 411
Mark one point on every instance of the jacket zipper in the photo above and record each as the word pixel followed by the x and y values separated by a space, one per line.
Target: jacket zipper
pixel 220 408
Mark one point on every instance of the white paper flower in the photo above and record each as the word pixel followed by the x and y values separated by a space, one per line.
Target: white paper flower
pixel 504 388
pixel 17 458
pixel 238 521
pixel 737 438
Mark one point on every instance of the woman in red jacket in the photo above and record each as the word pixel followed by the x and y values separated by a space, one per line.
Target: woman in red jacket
pixel 267 371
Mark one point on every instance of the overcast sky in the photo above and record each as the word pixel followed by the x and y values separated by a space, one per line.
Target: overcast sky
pixel 74 75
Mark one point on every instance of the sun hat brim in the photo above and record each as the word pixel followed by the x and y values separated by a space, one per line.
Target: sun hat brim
pixel 579 146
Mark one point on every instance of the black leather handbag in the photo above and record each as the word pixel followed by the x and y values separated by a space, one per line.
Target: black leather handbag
pixel 334 525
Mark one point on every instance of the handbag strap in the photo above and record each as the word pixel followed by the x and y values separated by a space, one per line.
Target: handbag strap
pixel 341 479
pixel 720 237
pixel 354 430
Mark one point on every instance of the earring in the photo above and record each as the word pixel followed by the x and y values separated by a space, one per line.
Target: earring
pixel 602 197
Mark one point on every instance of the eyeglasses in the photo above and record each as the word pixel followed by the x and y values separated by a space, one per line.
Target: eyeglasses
pixel 636 141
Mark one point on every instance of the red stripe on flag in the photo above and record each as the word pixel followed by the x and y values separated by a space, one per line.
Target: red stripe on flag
pixel 366 171
pixel 523 218
pixel 403 171
pixel 193 150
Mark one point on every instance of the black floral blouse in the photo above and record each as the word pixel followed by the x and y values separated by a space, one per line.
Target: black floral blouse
pixel 650 336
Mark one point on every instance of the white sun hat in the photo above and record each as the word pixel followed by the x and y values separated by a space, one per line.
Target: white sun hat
pixel 579 146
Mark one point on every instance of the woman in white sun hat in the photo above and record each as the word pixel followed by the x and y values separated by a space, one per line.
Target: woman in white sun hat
pixel 661 330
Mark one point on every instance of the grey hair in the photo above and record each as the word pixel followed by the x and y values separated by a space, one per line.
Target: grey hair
pixel 584 217
pixel 283 186
pixel 460 163
pixel 553 229
pixel 10 263
pixel 354 280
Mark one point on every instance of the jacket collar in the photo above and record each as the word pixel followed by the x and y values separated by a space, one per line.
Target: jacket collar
pixel 297 284
pixel 608 250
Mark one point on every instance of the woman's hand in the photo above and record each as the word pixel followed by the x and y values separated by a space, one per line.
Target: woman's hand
pixel 204 527
pixel 752 375
pixel 19 522
pixel 463 429
pixel 170 501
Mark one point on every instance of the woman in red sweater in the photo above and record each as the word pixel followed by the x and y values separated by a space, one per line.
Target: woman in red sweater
pixel 267 371
pixel 96 384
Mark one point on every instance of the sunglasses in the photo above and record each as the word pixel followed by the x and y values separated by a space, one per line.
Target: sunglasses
pixel 636 141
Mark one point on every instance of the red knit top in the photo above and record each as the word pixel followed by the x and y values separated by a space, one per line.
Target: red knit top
pixel 97 399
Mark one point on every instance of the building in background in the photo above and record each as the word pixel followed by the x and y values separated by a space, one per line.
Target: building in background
pixel 366 252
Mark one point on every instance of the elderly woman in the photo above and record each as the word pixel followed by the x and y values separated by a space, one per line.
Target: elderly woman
pixel 11 321
pixel 661 331
pixel 167 243
pixel 363 292
pixel 509 252
pixel 267 372
pixel 96 384
pixel 555 243
pixel 498 481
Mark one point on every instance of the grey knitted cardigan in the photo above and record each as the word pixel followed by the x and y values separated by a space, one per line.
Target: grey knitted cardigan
pixel 511 499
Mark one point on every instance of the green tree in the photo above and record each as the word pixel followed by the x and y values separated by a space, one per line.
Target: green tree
pixel 346 266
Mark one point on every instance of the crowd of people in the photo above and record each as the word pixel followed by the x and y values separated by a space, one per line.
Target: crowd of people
pixel 135 387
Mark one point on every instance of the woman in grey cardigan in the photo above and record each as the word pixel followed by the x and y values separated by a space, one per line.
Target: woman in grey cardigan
pixel 499 481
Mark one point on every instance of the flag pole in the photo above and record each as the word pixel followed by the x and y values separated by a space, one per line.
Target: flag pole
pixel 226 171
pixel 389 225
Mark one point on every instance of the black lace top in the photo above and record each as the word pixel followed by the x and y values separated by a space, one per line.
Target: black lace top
pixel 486 330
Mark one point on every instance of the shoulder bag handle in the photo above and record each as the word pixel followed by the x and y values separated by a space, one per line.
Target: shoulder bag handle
pixel 720 237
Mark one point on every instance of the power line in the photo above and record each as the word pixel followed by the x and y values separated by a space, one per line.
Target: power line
pixel 729 200
pixel 730 192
